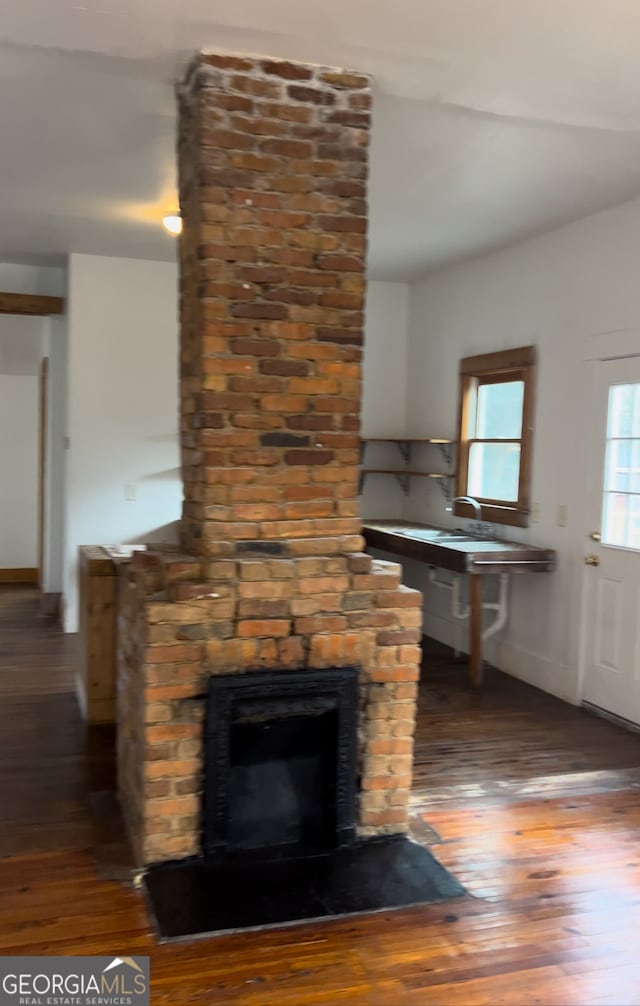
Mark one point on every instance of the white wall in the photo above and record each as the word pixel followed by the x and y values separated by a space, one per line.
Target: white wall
pixel 22 342
pixel 122 407
pixel 19 471
pixel 384 368
pixel 384 391
pixel 48 281
pixel 554 291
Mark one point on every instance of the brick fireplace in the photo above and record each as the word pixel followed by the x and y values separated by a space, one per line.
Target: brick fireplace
pixel 270 576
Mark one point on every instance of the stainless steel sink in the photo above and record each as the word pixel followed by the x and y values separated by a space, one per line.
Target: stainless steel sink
pixel 457 550
pixel 439 536
pixel 436 535
pixel 454 539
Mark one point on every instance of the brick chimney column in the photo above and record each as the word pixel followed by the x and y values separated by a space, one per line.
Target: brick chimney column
pixel 273 165
pixel 273 168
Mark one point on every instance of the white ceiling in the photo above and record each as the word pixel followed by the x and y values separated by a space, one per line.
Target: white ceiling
pixel 493 119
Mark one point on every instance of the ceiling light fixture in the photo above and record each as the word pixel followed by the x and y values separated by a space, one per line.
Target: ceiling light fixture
pixel 172 223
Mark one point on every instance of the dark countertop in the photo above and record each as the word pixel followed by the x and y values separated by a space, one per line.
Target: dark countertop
pixel 456 550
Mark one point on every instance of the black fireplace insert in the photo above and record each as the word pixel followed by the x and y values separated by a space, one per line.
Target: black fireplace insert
pixel 280 762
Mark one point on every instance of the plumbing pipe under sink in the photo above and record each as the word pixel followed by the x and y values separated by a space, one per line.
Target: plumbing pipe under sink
pixel 501 606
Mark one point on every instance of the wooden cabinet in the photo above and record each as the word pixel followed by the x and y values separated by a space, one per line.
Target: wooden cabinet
pixel 96 679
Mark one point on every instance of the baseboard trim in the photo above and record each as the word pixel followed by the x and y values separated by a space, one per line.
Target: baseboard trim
pixel 604 714
pixel 538 670
pixel 26 574
pixel 535 669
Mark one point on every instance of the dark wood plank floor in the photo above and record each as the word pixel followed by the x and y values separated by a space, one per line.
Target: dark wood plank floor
pixel 533 805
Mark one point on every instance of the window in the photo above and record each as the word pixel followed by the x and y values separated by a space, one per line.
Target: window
pixel 621 502
pixel 495 435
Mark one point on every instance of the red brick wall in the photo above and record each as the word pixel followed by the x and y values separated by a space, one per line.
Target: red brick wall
pixel 182 620
pixel 273 167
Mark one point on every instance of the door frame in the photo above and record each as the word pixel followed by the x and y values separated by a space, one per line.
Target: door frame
pixel 43 432
pixel 39 305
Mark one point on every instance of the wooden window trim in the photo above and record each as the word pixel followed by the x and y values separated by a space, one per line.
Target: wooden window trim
pixel 494 363
pixel 495 368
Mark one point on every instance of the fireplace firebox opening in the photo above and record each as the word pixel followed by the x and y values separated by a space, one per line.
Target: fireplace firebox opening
pixel 280 761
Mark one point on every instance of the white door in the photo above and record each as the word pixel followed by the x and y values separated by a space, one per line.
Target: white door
pixel 612 610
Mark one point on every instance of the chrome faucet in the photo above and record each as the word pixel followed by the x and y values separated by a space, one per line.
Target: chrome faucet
pixel 472 502
pixel 477 529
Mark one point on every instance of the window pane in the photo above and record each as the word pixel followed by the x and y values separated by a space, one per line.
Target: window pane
pixel 494 471
pixel 634 480
pixel 621 520
pixel 618 466
pixel 622 466
pixel 633 522
pixel 624 411
pixel 614 519
pixel 621 501
pixel 499 412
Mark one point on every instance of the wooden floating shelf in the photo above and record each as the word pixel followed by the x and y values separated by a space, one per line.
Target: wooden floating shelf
pixel 404 475
pixel 407 440
pixel 403 471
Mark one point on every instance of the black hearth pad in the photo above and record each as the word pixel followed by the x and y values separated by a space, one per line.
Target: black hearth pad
pixel 196 898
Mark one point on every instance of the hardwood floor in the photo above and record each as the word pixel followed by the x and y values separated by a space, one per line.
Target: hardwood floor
pixel 533 805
